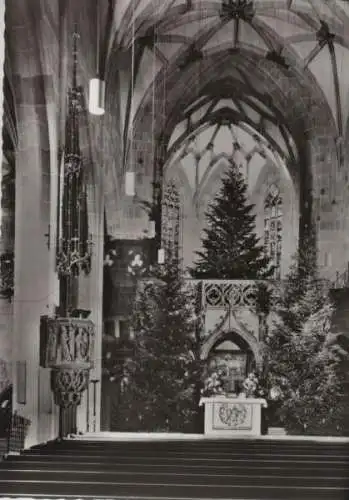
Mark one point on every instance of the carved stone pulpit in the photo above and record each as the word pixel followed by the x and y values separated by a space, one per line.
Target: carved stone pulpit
pixel 69 352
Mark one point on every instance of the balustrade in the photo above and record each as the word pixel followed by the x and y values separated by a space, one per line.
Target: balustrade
pixel 228 293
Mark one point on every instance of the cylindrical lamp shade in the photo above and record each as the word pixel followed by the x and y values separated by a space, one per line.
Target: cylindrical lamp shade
pixel 96 96
pixel 130 189
pixel 161 256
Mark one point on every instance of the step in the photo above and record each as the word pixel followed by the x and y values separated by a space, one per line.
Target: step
pixel 214 455
pixel 276 431
pixel 164 491
pixel 298 469
pixel 174 461
pixel 180 470
pixel 248 477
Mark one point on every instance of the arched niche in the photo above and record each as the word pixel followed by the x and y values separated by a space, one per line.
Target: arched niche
pixel 234 355
pixel 241 337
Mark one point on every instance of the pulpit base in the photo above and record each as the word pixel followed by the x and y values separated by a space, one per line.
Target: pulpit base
pixel 238 417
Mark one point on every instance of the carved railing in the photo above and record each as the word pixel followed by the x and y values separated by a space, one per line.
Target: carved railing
pixel 217 294
pixel 220 294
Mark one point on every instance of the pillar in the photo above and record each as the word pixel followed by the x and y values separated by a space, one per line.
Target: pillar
pixel 5 306
pixel 6 271
pixel 2 61
pixel 91 298
pixel 35 292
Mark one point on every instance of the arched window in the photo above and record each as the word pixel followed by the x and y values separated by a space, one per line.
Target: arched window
pixel 171 221
pixel 273 227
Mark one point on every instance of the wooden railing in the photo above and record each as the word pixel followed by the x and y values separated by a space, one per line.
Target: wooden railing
pixel 16 431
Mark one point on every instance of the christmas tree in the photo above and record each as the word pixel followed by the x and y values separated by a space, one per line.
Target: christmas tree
pixel 161 381
pixel 303 364
pixel 231 248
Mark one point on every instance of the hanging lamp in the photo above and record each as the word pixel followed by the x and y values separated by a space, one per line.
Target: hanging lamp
pixel 96 97
pixel 161 256
pixel 97 85
pixel 130 179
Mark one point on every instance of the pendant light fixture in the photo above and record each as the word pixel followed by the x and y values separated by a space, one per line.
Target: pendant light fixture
pixel 130 184
pixel 96 97
pixel 161 256
pixel 130 177
pixel 96 102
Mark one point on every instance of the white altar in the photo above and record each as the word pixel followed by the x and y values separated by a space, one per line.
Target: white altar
pixel 233 416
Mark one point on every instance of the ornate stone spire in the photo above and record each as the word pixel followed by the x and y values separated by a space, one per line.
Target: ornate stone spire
pixel 69 336
pixel 74 247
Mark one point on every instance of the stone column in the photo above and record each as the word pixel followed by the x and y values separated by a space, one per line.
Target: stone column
pixel 34 288
pixel 5 306
pixel 32 77
pixel 2 60
pixel 91 298
pixel 6 270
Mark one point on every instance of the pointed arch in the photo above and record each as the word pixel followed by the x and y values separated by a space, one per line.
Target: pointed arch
pixel 241 336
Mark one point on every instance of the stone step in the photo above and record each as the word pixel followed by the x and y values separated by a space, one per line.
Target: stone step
pixel 163 491
pixel 301 469
pixel 276 431
pixel 225 470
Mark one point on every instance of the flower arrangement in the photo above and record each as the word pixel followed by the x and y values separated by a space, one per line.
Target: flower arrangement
pixel 252 387
pixel 214 384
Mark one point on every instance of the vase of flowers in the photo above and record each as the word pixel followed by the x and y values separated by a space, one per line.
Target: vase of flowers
pixel 214 384
pixel 252 387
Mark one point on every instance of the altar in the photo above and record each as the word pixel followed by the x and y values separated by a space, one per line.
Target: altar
pixel 233 416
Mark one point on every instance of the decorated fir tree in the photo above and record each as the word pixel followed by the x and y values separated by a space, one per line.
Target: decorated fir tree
pixel 231 249
pixel 160 384
pixel 303 365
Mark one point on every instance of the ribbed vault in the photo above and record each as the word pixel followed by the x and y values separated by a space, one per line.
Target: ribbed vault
pixel 158 41
pixel 276 70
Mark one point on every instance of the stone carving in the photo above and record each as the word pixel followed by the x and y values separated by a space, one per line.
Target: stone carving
pixel 235 9
pixel 74 256
pixel 68 385
pixel 225 293
pixel 72 164
pixel 7 275
pixel 232 415
pixel 5 370
pixel 70 342
pixel 170 221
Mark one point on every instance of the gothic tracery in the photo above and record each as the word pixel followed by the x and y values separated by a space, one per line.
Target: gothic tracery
pixel 273 228
pixel 171 221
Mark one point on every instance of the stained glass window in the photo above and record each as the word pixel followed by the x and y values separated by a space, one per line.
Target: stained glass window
pixel 273 228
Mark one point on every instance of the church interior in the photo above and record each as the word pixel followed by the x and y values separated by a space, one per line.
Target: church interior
pixel 112 106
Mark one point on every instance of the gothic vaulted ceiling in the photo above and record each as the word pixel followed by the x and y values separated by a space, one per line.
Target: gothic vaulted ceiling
pixel 158 41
